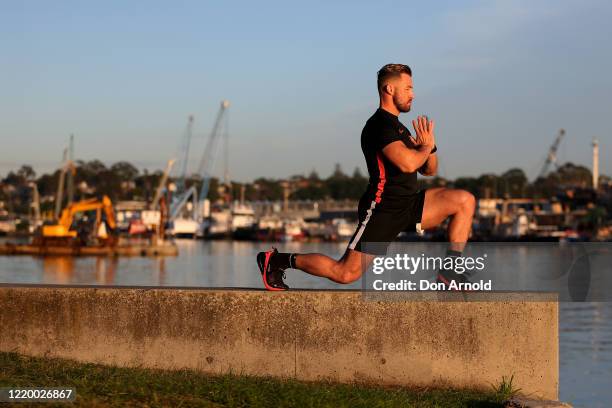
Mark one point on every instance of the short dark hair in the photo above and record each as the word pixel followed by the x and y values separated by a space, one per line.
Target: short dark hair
pixel 390 71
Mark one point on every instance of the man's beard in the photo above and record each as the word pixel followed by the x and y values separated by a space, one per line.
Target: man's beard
pixel 403 107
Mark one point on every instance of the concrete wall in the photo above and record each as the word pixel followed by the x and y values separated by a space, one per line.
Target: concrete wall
pixel 309 335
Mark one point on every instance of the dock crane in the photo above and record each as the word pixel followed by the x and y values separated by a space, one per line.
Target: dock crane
pixel 162 185
pixel 552 154
pixel 35 215
pixel 67 166
pixel 180 183
pixel 72 173
pixel 204 171
pixel 182 195
pixel 207 162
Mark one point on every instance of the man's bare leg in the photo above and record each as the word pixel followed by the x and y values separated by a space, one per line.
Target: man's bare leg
pixel 349 268
pixel 346 270
pixel 441 203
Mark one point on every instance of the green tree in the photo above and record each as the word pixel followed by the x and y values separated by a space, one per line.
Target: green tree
pixel 488 186
pixel 125 171
pixel 26 172
pixel 268 189
pixel 574 176
pixel 514 183
pixel 470 184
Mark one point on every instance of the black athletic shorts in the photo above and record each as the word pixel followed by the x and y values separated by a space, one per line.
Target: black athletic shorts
pixel 379 225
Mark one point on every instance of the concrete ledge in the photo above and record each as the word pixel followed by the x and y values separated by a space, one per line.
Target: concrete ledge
pixel 308 335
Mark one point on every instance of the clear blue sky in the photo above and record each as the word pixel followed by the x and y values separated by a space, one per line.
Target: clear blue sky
pixel 500 78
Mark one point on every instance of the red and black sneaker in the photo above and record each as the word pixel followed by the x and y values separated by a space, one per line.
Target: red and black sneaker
pixel 272 276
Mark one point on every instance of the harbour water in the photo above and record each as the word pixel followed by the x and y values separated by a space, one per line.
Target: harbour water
pixel 585 327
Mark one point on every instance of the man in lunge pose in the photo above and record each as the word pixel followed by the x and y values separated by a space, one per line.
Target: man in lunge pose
pixel 391 203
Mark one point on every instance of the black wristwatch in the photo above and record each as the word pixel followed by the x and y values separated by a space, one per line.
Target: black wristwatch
pixel 434 149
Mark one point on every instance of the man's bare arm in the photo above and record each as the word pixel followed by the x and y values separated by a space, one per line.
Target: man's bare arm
pixel 411 160
pixel 430 168
pixel 407 160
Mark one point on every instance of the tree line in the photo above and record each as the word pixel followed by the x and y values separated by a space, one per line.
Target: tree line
pixel 123 181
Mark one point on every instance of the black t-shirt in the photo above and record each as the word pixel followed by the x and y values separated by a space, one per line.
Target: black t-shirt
pixel 387 182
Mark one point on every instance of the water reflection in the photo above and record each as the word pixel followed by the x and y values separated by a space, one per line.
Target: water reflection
pixel 201 264
pixel 585 328
pixel 586 353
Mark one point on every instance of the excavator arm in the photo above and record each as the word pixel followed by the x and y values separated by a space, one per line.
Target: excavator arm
pixel 107 206
pixel 62 228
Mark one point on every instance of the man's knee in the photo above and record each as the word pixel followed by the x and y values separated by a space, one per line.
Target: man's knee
pixel 348 273
pixel 467 201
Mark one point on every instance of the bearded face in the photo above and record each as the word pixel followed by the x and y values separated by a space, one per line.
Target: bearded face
pixel 403 93
pixel 402 103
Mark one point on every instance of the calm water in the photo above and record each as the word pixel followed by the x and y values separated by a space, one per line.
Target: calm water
pixel 585 328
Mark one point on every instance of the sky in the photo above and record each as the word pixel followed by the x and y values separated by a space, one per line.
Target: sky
pixel 499 77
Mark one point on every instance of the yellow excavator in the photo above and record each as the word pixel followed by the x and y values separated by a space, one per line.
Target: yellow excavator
pixel 62 230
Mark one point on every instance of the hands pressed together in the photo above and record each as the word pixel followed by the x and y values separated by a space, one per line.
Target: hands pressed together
pixel 424 129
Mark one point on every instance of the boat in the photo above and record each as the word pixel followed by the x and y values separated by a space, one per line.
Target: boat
pixel 184 228
pixel 244 225
pixel 342 229
pixel 292 230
